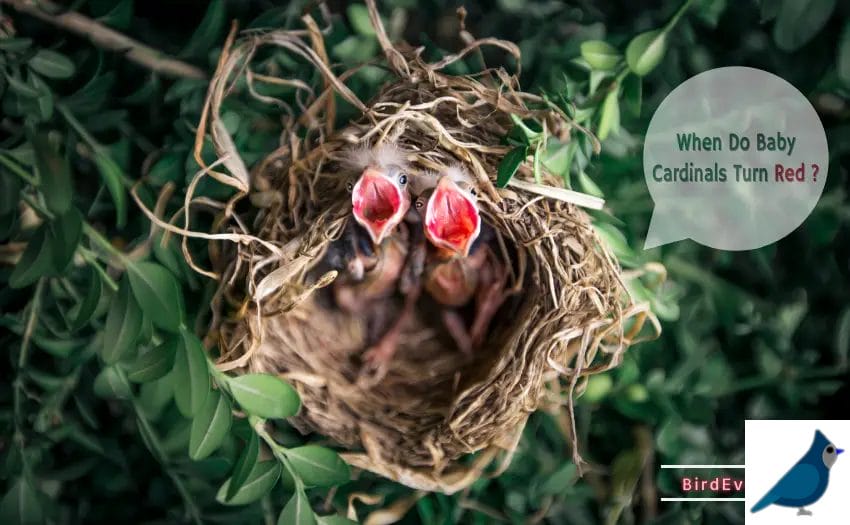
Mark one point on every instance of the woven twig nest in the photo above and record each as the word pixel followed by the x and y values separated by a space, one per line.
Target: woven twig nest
pixel 567 316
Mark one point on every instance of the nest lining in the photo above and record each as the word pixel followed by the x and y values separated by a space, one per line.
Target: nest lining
pixel 568 314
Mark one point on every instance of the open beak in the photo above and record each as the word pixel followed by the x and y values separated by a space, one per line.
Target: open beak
pixel 378 203
pixel 452 221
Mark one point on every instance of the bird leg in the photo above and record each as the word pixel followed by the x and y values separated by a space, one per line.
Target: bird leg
pixel 384 349
pixel 410 285
pixel 803 512
pixel 488 299
pixel 456 327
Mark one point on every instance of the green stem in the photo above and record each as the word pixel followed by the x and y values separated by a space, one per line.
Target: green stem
pixel 279 451
pixel 673 21
pixel 18 392
pixel 92 143
pixel 97 238
pixel 159 453
pixel 91 258
pixel 17 170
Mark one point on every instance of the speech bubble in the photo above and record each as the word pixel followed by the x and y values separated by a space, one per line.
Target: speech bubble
pixel 735 158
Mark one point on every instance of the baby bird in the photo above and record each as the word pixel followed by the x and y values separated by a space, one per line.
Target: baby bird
pixel 459 269
pixel 379 198
pixel 373 252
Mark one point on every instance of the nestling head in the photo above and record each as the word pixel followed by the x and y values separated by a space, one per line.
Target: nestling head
pixel 451 219
pixel 379 196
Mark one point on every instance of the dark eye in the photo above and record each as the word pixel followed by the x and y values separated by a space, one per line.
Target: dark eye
pixel 419 204
pixel 402 179
pixel 830 449
pixel 349 187
pixel 473 191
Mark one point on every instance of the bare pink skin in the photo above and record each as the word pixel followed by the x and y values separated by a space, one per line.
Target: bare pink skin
pixel 454 276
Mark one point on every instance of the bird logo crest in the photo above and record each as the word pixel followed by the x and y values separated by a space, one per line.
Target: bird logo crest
pixel 806 482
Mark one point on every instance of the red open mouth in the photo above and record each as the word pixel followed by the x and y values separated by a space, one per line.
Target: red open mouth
pixel 452 220
pixel 376 202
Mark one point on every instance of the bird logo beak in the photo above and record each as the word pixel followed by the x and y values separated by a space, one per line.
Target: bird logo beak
pixel 452 220
pixel 378 203
pixel 838 451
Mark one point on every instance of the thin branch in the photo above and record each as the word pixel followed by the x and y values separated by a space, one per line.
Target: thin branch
pixel 107 38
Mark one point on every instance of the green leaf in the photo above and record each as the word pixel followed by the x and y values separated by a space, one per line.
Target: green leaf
pixel 191 377
pixel 154 364
pixel 600 54
pixel 36 261
pixel 54 174
pixel 64 234
pixel 265 395
pixel 123 326
pixel 210 426
pixel 43 104
pixel 15 45
pixel 318 466
pixel 297 511
pixel 843 65
pixel 558 481
pixel 158 293
pixel 208 32
pixel 108 384
pixel 609 118
pixel 799 21
pixel 260 482
pixel 358 15
pixel 22 88
pixel 52 64
pixel 85 310
pixel 633 94
pixel 244 464
pixel 510 164
pixel 645 51
pixel 112 176
pixel 20 506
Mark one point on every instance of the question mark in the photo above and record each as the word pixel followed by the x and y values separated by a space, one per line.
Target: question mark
pixel 815 174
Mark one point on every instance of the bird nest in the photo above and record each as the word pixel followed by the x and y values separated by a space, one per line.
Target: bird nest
pixel 566 316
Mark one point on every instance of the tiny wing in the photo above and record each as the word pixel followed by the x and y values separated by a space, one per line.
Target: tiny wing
pixel 797 483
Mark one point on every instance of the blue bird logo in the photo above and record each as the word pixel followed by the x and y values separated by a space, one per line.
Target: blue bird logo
pixel 806 482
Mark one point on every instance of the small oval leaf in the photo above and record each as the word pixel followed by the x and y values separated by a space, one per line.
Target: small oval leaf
pixel 297 511
pixel 645 51
pixel 86 308
pixel 35 262
pixel 112 176
pixel 52 64
pixel 260 481
pixel 108 385
pixel 158 294
pixel 510 164
pixel 244 464
pixel 53 172
pixel 123 326
pixel 191 377
pixel 600 54
pixel 609 119
pixel 265 395
pixel 799 21
pixel 318 466
pixel 64 235
pixel 154 364
pixel 210 426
